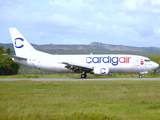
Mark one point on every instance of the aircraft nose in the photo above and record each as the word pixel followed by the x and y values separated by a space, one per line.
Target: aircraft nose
pixel 156 65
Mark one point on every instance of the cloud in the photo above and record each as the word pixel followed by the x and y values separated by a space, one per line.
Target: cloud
pixel 157 31
pixel 131 4
pixel 83 21
pixel 150 6
pixel 101 28
pixel 114 27
pixel 127 18
pixel 69 5
pixel 42 35
pixel 61 19
pixel 145 32
pixel 69 41
pixel 93 0
pixel 100 16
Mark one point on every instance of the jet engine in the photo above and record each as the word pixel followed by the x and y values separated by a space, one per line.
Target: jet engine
pixel 101 71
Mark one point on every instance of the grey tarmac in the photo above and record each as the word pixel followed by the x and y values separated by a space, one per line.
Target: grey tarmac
pixel 74 79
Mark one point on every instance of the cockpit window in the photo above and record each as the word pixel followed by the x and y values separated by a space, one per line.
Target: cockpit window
pixel 147 60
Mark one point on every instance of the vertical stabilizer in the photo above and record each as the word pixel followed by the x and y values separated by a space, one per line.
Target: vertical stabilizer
pixel 21 46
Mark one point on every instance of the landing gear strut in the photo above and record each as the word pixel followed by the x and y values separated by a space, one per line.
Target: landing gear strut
pixel 83 75
pixel 140 76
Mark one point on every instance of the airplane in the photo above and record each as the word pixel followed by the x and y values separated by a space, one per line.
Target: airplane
pixel 95 64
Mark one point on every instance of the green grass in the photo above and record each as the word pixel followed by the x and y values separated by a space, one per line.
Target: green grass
pixel 101 100
pixel 74 75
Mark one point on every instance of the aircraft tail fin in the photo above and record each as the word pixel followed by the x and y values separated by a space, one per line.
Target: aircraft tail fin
pixel 21 46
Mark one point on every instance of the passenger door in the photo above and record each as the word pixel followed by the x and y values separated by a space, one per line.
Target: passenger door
pixel 137 61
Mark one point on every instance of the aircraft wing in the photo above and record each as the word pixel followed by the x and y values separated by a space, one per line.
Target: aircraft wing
pixel 77 68
pixel 14 56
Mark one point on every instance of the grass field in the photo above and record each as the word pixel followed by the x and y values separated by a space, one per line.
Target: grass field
pixel 74 100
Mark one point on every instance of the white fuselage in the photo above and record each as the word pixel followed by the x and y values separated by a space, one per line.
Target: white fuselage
pixel 115 63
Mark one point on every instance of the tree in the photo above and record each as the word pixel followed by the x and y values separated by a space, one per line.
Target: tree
pixel 8 51
pixel 1 49
pixel 7 66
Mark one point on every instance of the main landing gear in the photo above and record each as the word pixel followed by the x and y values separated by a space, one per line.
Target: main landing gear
pixel 83 75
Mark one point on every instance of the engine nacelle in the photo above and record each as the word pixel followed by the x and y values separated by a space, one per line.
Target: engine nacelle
pixel 101 71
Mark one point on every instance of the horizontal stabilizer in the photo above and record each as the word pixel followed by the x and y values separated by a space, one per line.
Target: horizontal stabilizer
pixel 14 56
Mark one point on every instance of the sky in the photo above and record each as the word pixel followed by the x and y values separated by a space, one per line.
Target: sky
pixel 116 22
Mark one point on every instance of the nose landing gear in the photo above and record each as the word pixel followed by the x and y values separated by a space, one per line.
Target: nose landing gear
pixel 140 76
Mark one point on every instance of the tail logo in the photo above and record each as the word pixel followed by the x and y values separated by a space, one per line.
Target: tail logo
pixel 18 42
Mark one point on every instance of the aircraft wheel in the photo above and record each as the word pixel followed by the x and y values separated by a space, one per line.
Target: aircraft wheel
pixel 140 76
pixel 83 76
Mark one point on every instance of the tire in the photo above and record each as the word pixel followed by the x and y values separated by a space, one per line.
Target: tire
pixel 140 76
pixel 83 75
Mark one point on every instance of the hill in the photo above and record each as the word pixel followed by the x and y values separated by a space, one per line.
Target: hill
pixel 97 46
pixel 94 46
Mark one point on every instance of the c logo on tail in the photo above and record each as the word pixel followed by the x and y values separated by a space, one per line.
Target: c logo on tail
pixel 19 44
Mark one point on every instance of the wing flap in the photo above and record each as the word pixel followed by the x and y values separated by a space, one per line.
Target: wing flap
pixel 77 68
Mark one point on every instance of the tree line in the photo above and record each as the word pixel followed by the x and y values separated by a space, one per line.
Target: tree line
pixel 7 66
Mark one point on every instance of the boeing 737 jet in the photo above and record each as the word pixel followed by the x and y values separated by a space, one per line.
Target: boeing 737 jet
pixel 94 64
